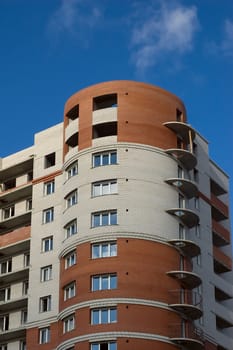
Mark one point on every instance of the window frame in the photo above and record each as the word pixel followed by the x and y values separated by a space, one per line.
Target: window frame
pixel 103 185
pixel 69 323
pixel 111 155
pixel 111 216
pixel 72 170
pixel 46 273
pixel 69 291
pixel 44 335
pixel 101 313
pixel 71 228
pixel 111 278
pixel 45 303
pixel 102 252
pixel 48 215
pixel 48 239
pixel 8 212
pixel 71 199
pixel 97 346
pixel 49 187
pixel 68 259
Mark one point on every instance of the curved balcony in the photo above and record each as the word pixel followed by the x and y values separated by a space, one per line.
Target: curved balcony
pixel 186 158
pixel 71 129
pixel 16 193
pixel 187 247
pixel 16 221
pixel 186 302
pixel 187 336
pixel 185 131
pixel 188 217
pixel 187 279
pixel 187 187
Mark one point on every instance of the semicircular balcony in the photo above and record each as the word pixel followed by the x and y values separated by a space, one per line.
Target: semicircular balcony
pixel 188 217
pixel 187 187
pixel 187 335
pixel 185 157
pixel 187 247
pixel 185 131
pixel 186 302
pixel 187 279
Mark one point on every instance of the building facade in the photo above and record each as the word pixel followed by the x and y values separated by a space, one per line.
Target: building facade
pixel 114 230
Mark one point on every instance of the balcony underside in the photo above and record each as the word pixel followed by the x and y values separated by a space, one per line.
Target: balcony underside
pixel 185 131
pixel 187 247
pixel 188 217
pixel 189 343
pixel 186 158
pixel 187 187
pixel 190 311
pixel 188 280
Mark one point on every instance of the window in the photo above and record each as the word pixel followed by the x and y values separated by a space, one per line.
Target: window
pixel 105 158
pixel 181 201
pixel 8 212
pixel 26 259
pixel 104 218
pixel 46 273
pixel 24 316
pixel 45 303
pixel 48 215
pixel 195 175
pixel 180 172
pixel 44 335
pixel 181 231
pixel 104 101
pixel 47 244
pixel 69 291
pixel 104 129
pixel 6 266
pixel 104 282
pixel 5 294
pixel 198 230
pixel 49 160
pixel 30 176
pixel 29 204
pixel 110 345
pixel 25 287
pixel 72 170
pixel 104 187
pixel 68 324
pixel 70 259
pixel 49 187
pixel 3 347
pixel 104 250
pixel 179 115
pixel 71 228
pixel 198 257
pixel 196 203
pixel 71 199
pixel 22 345
pixel 4 323
pixel 104 315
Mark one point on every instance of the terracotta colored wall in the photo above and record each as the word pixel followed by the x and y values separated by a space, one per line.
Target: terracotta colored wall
pixel 15 236
pixel 32 338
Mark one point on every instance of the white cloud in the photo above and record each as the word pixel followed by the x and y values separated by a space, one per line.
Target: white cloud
pixel 74 17
pixel 227 43
pixel 162 31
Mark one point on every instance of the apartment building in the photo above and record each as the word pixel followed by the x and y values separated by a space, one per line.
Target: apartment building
pixel 114 230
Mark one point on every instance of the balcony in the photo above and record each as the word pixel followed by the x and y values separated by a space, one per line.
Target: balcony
pixel 187 336
pixel 23 167
pixel 186 158
pixel 15 221
pixel 188 217
pixel 10 277
pixel 187 279
pixel 222 262
pixel 220 210
pixel 221 236
pixel 16 193
pixel 183 130
pixel 186 302
pixel 187 187
pixel 14 304
pixel 187 247
pixel 13 333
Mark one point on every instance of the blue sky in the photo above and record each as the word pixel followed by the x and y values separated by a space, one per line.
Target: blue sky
pixel 52 48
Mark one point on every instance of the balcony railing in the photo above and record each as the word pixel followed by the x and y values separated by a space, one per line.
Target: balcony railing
pixel 186 302
pixel 222 262
pixel 221 234
pixel 187 335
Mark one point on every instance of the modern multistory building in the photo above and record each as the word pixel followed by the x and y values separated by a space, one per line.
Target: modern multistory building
pixel 114 230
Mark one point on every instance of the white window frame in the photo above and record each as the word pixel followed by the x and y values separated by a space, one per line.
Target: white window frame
pixel 103 188
pixel 69 324
pixel 49 187
pixel 22 345
pixel 48 215
pixel 101 278
pixel 100 315
pixel 70 259
pixel 4 323
pixel 112 345
pixel 26 259
pixel 24 316
pixel 197 203
pixel 25 287
pixel 8 266
pixel 29 204
pixel 101 216
pixel 8 212
pixel 44 335
pixel 47 244
pixel 181 201
pixel 105 158
pixel 46 273
pixel 71 199
pixel 70 291
pixel 72 170
pixel 6 293
pixel 71 228
pixel 3 347
pixel 45 303
pixel 104 250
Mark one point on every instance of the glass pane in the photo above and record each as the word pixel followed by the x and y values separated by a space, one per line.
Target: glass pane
pixel 104 316
pixel 105 219
pixel 94 347
pixel 105 282
pixel 113 187
pixel 113 346
pixel 95 316
pixel 113 158
pixel 113 249
pixel 105 159
pixel 95 251
pixel 96 190
pixel 113 218
pixel 113 315
pixel 96 221
pixel 113 282
pixel 97 160
pixel 105 248
pixel 105 188
pixel 95 283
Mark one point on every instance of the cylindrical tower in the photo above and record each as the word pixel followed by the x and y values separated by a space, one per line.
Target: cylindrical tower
pixel 126 263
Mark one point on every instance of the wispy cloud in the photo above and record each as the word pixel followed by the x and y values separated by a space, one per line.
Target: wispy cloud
pixel 227 43
pixel 75 18
pixel 163 30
